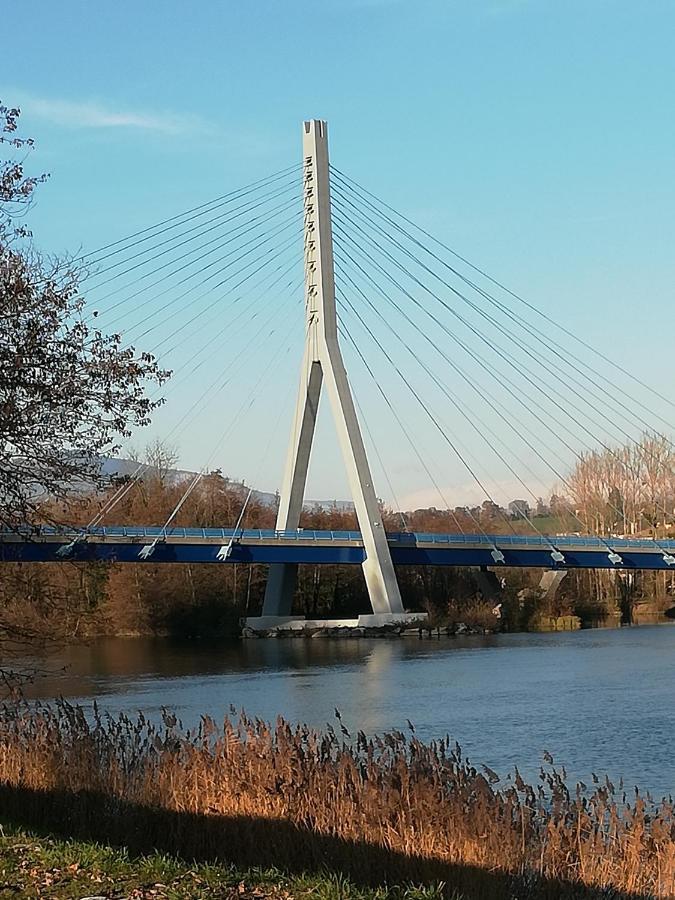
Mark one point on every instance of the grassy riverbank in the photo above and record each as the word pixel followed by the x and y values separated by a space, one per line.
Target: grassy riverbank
pixel 37 865
pixel 331 811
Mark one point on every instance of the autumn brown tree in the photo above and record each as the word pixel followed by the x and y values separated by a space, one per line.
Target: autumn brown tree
pixel 68 392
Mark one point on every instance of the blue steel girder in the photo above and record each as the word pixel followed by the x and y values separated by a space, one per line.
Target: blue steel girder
pixel 201 545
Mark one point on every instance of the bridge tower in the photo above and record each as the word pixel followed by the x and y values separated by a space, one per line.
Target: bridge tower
pixel 322 360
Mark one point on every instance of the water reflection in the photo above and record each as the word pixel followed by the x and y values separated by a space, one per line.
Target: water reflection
pixel 598 700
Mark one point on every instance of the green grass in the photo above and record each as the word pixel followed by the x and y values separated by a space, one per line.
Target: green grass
pixel 33 865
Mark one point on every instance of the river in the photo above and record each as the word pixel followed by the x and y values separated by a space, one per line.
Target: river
pixel 598 700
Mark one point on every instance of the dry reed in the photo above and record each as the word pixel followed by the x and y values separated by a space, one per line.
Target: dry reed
pixel 394 794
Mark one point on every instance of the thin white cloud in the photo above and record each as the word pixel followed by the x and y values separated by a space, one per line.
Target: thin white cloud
pixel 90 114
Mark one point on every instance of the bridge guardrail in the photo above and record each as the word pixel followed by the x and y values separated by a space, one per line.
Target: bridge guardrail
pixel 309 535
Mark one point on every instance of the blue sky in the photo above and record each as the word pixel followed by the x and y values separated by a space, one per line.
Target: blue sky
pixel 535 137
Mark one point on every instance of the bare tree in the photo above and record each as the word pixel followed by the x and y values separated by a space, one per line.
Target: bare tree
pixel 160 458
pixel 626 489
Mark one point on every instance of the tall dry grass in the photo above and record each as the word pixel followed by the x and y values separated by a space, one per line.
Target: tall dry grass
pixel 392 793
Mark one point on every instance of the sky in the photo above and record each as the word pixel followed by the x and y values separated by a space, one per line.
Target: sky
pixel 535 137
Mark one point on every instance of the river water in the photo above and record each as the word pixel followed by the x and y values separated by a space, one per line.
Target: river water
pixel 600 700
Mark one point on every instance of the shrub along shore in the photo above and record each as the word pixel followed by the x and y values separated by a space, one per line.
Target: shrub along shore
pixel 390 810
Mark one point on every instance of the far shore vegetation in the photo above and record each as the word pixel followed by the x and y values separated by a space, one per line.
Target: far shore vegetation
pixel 73 601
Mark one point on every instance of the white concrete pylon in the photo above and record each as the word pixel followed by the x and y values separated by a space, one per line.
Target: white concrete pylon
pixel 323 360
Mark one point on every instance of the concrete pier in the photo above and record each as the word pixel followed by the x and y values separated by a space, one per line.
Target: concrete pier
pixel 295 626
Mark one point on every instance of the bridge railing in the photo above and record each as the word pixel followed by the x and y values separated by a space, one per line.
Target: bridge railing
pixel 143 532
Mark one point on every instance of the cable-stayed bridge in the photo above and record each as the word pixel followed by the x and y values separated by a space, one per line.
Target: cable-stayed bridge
pixel 306 546
pixel 453 364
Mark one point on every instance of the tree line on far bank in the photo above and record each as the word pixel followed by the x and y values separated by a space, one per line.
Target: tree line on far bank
pixel 78 599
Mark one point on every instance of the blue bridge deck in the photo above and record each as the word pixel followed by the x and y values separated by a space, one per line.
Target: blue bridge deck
pixel 123 544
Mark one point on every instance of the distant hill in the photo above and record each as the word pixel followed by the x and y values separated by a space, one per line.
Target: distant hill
pixel 111 466
pixel 327 505
pixel 121 468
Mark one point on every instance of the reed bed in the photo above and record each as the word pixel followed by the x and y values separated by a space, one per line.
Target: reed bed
pixel 381 808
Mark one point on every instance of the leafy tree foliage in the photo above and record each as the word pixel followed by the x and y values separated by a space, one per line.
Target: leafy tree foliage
pixel 68 392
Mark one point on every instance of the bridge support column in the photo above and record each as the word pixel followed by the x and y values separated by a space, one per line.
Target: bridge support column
pixel 487 583
pixel 280 589
pixel 323 359
pixel 550 582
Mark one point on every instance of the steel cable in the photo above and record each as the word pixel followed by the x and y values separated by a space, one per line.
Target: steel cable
pixel 350 182
pixel 207 207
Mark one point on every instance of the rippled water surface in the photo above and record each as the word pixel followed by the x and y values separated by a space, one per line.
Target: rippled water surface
pixel 598 700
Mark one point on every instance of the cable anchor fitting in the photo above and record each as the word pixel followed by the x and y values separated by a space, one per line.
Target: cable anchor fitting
pixel 224 553
pixel 147 551
pixel 67 550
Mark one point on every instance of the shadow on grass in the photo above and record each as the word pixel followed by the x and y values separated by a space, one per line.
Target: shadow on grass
pixel 248 842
